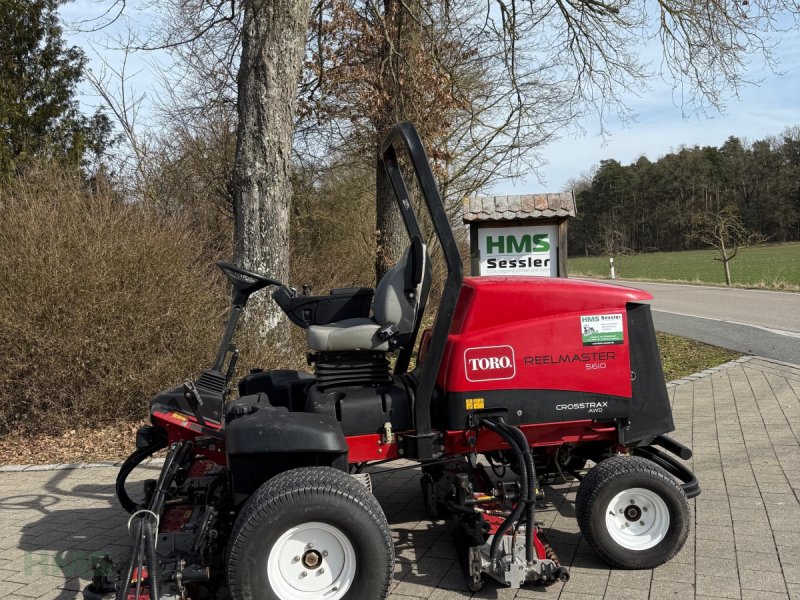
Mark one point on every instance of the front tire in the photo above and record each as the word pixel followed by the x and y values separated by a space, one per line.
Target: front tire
pixel 632 512
pixel 307 534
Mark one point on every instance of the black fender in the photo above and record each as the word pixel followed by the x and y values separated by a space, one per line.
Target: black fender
pixel 262 441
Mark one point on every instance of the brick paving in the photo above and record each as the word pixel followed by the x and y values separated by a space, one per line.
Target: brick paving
pixel 742 421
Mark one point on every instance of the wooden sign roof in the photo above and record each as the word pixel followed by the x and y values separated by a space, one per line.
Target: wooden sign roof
pixel 526 206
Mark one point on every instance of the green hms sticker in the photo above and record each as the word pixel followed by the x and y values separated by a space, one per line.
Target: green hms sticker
pixel 599 330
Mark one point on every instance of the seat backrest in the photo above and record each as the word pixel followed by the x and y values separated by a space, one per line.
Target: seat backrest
pixel 397 297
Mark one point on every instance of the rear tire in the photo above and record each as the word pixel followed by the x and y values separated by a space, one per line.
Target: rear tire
pixel 632 512
pixel 310 533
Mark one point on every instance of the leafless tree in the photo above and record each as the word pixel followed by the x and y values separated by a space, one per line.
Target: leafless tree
pixel 489 83
pixel 723 230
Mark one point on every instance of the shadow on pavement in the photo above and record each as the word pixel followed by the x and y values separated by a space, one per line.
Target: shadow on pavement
pixel 72 520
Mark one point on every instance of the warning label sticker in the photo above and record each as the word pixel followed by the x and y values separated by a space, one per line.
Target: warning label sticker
pixel 599 330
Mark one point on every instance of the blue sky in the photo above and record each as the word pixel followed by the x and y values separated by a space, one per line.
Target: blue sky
pixel 659 127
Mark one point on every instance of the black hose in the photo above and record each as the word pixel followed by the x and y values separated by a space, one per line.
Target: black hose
pixel 152 561
pixel 144 529
pixel 498 428
pixel 531 496
pixel 133 461
pixel 175 457
pixel 124 584
pixel 516 514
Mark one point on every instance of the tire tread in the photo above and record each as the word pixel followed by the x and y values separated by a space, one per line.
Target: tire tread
pixel 608 470
pixel 289 487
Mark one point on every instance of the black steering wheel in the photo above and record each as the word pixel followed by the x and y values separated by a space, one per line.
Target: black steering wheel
pixel 244 282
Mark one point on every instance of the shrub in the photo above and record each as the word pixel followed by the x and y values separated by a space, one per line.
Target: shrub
pixel 102 303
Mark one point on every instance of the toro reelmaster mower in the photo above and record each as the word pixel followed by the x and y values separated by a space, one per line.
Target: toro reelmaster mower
pixel 262 495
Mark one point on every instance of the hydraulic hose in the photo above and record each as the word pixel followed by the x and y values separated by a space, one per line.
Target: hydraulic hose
pixel 143 530
pixel 133 461
pixel 517 513
pixel 153 578
pixel 531 496
pixel 124 584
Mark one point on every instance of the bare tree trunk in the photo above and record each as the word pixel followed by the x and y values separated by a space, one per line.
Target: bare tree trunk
pixel 273 45
pixel 398 54
pixel 725 259
pixel 392 239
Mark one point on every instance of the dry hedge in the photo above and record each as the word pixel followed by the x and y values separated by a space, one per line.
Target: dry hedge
pixel 102 304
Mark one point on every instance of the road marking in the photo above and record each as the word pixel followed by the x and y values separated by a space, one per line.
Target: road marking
pixel 791 334
pixel 697 285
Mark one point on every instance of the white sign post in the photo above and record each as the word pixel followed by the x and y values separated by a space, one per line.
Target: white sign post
pixel 522 250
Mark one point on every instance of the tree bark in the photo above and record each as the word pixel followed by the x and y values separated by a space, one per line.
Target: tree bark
pixel 391 234
pixel 398 55
pixel 273 46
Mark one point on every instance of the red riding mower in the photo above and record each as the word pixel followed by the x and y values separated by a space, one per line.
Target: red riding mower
pixel 264 493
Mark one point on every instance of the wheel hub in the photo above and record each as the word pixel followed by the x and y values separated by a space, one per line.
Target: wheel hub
pixel 633 513
pixel 312 561
pixel 637 519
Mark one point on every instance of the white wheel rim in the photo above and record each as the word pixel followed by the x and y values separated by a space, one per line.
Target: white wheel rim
pixel 637 519
pixel 311 561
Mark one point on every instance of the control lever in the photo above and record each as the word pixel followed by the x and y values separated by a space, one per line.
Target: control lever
pixel 306 290
pixel 232 364
pixel 191 393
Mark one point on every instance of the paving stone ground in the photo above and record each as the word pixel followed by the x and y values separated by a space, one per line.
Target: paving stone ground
pixel 743 423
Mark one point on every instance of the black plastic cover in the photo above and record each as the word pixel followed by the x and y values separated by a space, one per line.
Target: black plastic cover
pixel 650 413
pixel 526 406
pixel 362 410
pixel 211 387
pixel 269 430
pixel 149 436
pixel 283 387
pixel 340 304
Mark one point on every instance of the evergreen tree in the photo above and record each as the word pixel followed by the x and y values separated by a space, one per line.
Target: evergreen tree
pixel 39 116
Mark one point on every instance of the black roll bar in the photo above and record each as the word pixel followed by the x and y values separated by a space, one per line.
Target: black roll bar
pixel 404 135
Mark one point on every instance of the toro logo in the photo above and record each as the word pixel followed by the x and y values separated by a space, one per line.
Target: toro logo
pixel 489 363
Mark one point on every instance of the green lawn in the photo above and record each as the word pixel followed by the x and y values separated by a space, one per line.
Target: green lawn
pixel 769 266
pixel 681 356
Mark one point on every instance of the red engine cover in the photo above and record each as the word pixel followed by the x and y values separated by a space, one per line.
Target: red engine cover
pixel 512 333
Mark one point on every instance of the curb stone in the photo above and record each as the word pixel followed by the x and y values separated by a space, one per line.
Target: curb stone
pixel 153 462
pixel 709 372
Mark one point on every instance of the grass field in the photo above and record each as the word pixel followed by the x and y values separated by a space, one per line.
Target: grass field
pixel 769 266
pixel 681 356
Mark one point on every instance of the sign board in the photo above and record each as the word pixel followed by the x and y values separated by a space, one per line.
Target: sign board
pixel 523 250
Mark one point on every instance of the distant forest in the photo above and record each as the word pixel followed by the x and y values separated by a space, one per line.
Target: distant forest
pixel 651 206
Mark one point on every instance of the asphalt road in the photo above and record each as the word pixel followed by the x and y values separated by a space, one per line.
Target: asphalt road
pixel 759 322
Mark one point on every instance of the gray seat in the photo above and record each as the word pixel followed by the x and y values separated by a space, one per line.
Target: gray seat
pixel 392 307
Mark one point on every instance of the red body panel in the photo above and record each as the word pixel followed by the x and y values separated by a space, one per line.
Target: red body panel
pixel 185 427
pixel 511 325
pixel 526 333
pixel 365 448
